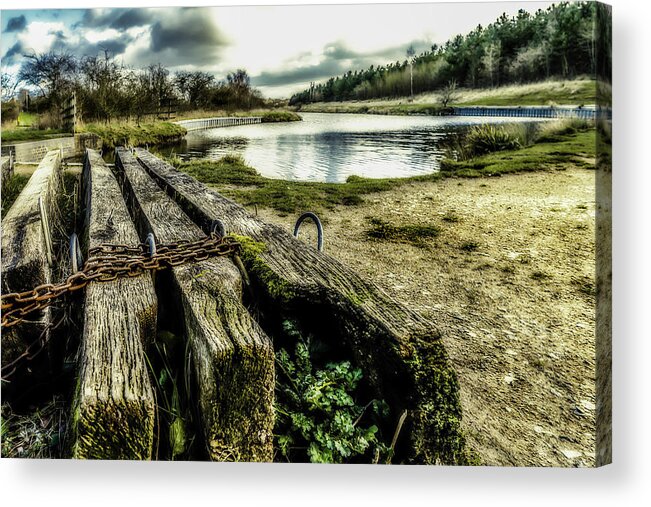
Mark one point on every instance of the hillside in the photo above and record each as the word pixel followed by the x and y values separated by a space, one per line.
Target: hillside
pixel 559 42
pixel 554 92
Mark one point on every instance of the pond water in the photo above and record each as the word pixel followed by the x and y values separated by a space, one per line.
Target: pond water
pixel 330 147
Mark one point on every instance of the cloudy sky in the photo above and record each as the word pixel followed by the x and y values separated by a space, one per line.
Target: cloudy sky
pixel 282 47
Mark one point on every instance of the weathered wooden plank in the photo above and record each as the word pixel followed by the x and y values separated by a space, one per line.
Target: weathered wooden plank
pixel 401 353
pixel 25 252
pixel 114 404
pixel 233 358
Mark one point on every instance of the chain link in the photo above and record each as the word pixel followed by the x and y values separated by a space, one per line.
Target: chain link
pixel 109 262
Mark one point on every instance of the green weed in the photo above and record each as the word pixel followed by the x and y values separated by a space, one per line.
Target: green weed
pixel 416 235
pixel 12 190
pixel 318 414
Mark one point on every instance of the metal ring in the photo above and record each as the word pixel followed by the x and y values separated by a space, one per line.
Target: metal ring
pixel 319 228
pixel 76 259
pixel 217 226
pixel 151 244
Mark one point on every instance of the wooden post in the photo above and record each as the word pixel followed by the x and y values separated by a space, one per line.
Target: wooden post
pixel 114 406
pixel 402 353
pixel 25 254
pixel 233 358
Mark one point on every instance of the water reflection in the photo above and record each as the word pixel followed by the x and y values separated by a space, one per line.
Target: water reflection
pixel 331 147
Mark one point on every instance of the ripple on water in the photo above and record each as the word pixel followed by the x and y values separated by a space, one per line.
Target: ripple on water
pixel 331 147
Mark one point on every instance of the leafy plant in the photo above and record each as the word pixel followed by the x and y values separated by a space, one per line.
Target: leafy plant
pixel 318 417
pixel 490 138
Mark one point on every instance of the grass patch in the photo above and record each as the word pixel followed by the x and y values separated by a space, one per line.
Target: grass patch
pixel 128 134
pixel 37 434
pixel 567 150
pixel 540 276
pixel 469 246
pixel 416 235
pixel 30 134
pixel 234 178
pixel 279 116
pixel 12 190
pixel 451 217
pixel 272 115
pixel 26 119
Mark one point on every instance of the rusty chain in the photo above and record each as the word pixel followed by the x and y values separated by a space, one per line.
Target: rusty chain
pixel 109 262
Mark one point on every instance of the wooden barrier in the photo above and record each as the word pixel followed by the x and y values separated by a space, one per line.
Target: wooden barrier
pixel 27 255
pixel 114 405
pixel 233 358
pixel 211 123
pixel 401 353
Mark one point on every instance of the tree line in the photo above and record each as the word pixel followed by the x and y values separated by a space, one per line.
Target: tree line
pixel 106 89
pixel 556 42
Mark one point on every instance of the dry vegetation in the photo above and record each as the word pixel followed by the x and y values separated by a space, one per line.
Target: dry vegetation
pixel 545 93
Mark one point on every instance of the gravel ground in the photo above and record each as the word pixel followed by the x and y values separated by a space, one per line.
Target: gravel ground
pixel 510 282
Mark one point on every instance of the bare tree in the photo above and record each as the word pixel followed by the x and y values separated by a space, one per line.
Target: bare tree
pixel 103 80
pixel 410 57
pixel 491 61
pixel 448 93
pixel 240 83
pixel 194 86
pixel 52 73
pixel 8 84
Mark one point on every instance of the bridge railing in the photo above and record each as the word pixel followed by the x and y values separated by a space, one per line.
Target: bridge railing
pixel 585 113
pixel 209 123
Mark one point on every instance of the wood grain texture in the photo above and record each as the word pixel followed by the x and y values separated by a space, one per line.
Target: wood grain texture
pixel 401 353
pixel 233 358
pixel 24 257
pixel 114 406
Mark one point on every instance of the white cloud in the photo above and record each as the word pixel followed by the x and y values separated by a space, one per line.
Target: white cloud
pixel 100 35
pixel 40 35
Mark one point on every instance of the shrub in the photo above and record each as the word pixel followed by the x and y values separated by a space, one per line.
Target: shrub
pixel 490 138
pixel 554 130
pixel 10 112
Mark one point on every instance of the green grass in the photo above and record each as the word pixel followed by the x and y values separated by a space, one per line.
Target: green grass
pixel 268 115
pixel 566 150
pixel 279 116
pixel 27 119
pixel 29 134
pixel 11 190
pixel 414 234
pixel 234 178
pixel 117 134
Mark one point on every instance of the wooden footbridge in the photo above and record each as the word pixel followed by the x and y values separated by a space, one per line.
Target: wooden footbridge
pixel 215 302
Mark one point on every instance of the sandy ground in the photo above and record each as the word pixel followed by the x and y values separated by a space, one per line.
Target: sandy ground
pixel 517 312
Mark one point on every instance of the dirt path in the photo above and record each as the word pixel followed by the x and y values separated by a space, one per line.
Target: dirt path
pixel 509 280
